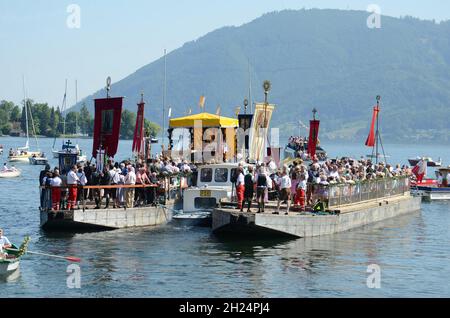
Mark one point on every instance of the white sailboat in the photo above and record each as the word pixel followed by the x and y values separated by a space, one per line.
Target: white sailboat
pixel 68 146
pixel 22 154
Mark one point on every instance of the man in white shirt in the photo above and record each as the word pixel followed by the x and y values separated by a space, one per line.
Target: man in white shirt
pixel 240 188
pixel 56 183
pixel 72 182
pixel 4 243
pixel 130 179
pixel 285 190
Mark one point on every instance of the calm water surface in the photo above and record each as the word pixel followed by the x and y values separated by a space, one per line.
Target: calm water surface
pixel 173 261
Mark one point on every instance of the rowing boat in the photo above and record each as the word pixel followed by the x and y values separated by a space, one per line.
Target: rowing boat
pixel 10 263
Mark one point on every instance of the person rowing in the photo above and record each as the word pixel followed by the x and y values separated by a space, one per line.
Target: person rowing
pixel 4 244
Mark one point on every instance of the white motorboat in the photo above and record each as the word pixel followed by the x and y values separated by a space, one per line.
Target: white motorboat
pixel 10 173
pixel 38 160
pixel 430 162
pixel 214 183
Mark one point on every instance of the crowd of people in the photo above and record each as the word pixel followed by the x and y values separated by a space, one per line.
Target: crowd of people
pixel 294 184
pixel 300 146
pixel 62 192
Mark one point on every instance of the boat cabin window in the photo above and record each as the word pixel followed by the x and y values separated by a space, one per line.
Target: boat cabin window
pixel 221 175
pixel 206 175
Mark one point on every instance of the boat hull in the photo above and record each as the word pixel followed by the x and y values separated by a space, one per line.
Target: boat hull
pixel 38 161
pixel 229 221
pixel 10 174
pixel 202 219
pixel 414 162
pixel 434 194
pixel 104 219
pixel 8 267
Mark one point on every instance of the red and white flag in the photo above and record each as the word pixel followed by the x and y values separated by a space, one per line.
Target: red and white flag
pixel 420 170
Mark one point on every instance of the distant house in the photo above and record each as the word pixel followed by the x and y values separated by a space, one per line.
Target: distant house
pixel 16 131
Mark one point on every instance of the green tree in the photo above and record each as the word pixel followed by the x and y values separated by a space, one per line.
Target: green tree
pixel 15 114
pixel 152 128
pixel 127 125
pixel 71 123
pixel 84 119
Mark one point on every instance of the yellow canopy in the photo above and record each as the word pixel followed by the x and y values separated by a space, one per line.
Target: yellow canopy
pixel 208 120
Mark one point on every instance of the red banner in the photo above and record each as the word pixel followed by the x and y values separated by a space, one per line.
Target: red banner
pixel 370 142
pixel 108 113
pixel 313 137
pixel 138 139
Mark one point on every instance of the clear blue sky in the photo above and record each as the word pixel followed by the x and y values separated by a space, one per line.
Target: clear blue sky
pixel 119 36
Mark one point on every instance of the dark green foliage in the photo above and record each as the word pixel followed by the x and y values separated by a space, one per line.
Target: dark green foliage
pixel 49 121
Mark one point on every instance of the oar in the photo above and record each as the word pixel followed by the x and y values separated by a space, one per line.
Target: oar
pixel 67 258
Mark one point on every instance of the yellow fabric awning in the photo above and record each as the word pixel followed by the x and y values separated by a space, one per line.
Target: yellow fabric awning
pixel 207 119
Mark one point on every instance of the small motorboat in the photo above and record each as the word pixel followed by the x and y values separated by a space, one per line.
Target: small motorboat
pixel 22 156
pixel 430 162
pixel 38 160
pixel 10 173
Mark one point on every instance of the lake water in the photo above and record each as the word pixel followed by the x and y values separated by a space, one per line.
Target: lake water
pixel 171 261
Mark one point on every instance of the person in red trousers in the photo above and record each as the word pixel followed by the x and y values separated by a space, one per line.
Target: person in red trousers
pixel 240 188
pixel 56 183
pixel 72 183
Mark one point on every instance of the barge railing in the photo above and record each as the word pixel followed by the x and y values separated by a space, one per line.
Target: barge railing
pixel 160 193
pixel 337 195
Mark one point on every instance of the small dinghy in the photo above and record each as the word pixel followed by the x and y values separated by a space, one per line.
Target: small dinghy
pixel 10 173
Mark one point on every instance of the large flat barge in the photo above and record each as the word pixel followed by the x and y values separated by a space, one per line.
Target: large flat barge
pixel 364 206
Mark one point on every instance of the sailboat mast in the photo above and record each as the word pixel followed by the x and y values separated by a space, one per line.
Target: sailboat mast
pixel 250 88
pixel 26 109
pixel 76 102
pixel 164 97
pixel 64 110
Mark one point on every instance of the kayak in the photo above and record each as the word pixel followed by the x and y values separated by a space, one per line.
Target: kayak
pixel 10 173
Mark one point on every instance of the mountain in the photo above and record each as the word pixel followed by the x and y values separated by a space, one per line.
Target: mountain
pixel 327 59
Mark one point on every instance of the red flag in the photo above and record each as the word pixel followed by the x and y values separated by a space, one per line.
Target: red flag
pixel 108 113
pixel 370 142
pixel 138 138
pixel 420 170
pixel 313 137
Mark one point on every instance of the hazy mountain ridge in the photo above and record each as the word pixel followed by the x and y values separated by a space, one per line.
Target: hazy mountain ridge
pixel 328 59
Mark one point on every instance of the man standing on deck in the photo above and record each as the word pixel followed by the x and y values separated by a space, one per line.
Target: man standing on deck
pixel 249 182
pixel 130 179
pixel 285 190
pixel 240 188
pixel 261 186
pixel 55 183
pixel 72 182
